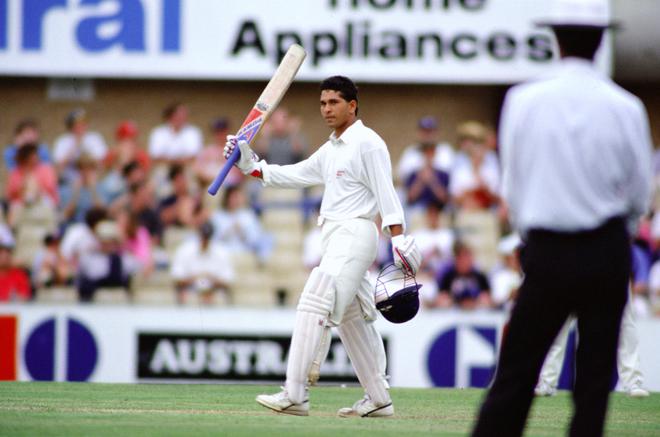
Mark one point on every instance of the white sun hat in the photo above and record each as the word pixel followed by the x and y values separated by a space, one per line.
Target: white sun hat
pixel 580 13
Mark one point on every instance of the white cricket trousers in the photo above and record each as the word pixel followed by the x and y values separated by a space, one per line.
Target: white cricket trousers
pixel 339 294
pixel 628 365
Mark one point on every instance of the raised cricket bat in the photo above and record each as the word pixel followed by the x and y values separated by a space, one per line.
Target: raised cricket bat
pixel 267 102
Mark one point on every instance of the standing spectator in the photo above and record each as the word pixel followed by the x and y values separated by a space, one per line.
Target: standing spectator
pixel 77 140
pixel 14 282
pixel 475 176
pixel 182 208
pixel 211 160
pixel 50 267
pixel 281 142
pixel 82 193
pixel 26 132
pixel 176 141
pixel 576 155
pixel 461 283
pixel 412 159
pixel 202 266
pixel 106 264
pixel 31 184
pixel 428 184
pixel 238 228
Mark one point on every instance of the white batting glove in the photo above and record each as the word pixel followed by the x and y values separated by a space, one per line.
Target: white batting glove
pixel 249 161
pixel 406 253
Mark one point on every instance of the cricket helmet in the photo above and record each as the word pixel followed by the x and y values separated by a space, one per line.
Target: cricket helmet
pixel 397 294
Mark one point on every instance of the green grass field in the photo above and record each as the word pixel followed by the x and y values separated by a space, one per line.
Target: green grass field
pixel 70 409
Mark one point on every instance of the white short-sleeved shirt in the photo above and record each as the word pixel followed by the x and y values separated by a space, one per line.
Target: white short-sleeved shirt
pixel 189 261
pixel 166 143
pixel 66 148
pixel 463 177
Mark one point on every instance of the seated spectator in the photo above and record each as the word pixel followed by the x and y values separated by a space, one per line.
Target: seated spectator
pixel 462 284
pixel 412 159
pixel 126 149
pixel 50 267
pixel 137 241
pixel 435 241
pixel 26 132
pixel 140 202
pixel 31 184
pixel 428 185
pixel 114 186
pixel 238 228
pixel 507 277
pixel 176 141
pixel 202 266
pixel 77 141
pixel 181 208
pixel 106 264
pixel 14 281
pixel 82 192
pixel 281 142
pixel 475 177
pixel 211 160
pixel 79 240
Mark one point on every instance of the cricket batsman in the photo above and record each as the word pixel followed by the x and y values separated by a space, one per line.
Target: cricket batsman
pixel 354 165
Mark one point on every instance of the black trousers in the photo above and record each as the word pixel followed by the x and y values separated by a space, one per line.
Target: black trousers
pixel 582 273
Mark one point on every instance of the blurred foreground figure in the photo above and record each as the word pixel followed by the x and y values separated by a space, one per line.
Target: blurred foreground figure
pixel 576 152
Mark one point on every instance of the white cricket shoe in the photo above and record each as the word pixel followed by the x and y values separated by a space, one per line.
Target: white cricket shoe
pixel 365 407
pixel 544 389
pixel 637 391
pixel 280 403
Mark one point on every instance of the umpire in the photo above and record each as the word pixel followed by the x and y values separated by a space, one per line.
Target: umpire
pixel 576 154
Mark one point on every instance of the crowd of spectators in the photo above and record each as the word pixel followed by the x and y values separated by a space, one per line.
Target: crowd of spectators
pixel 88 215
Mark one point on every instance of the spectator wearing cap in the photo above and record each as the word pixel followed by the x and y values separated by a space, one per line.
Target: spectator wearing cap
pixel 31 184
pixel 26 132
pixel 106 264
pixel 462 284
pixel 175 141
pixel 413 159
pixel 211 159
pixel 14 281
pixel 507 276
pixel 76 141
pixel 475 176
pixel 202 266
pixel 126 148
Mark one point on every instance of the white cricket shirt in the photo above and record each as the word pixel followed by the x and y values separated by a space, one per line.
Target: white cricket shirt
pixel 356 171
pixel 576 150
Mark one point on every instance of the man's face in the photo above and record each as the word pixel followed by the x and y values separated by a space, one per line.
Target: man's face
pixel 335 110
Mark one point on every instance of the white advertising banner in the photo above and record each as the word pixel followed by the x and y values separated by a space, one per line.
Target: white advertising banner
pixel 140 344
pixel 427 41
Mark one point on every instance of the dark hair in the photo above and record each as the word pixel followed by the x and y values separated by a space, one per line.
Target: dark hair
pixel 460 247
pixel 128 168
pixel 94 216
pixel 175 171
pixel 231 189
pixel 578 41
pixel 171 109
pixel 344 86
pixel 25 152
pixel 24 124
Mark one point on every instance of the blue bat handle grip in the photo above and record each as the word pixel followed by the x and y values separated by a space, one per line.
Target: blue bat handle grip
pixel 220 178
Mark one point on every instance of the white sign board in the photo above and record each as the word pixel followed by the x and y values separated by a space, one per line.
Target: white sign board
pixel 428 41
